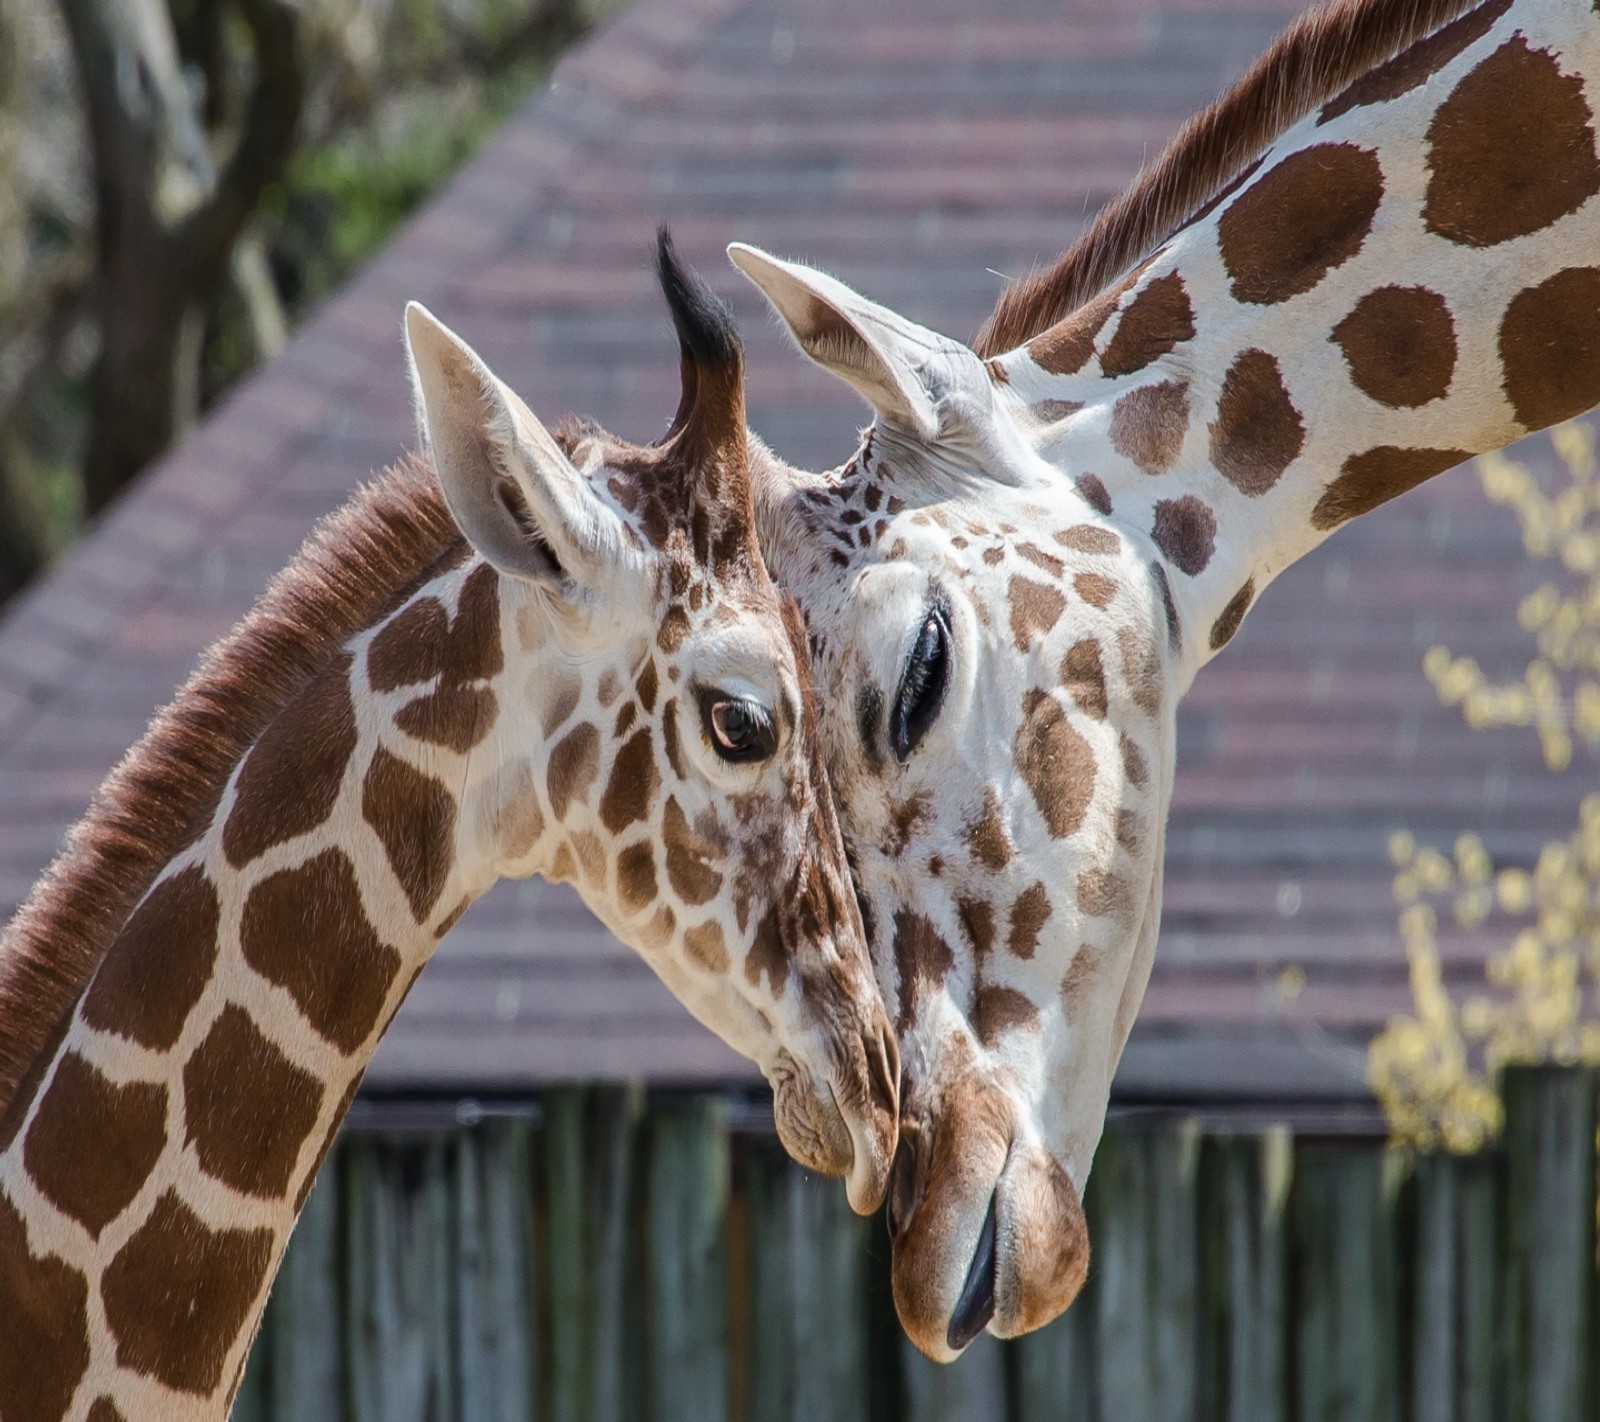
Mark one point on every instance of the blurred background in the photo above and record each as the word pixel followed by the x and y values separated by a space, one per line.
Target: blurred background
pixel 558 1196
pixel 182 182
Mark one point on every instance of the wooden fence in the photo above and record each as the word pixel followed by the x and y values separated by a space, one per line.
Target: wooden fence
pixel 613 1257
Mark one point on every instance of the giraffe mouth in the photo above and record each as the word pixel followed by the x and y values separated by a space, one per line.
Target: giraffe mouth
pixel 975 1305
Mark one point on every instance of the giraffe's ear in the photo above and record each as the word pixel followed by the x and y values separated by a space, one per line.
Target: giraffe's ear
pixel 911 376
pixel 509 485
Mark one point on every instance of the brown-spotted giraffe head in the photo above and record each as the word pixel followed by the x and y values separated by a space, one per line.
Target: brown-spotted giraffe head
pixel 657 688
pixel 598 682
pixel 1377 256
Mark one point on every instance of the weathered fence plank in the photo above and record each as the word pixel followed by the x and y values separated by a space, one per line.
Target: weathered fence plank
pixel 807 1258
pixel 397 1282
pixel 971 1389
pixel 1244 1261
pixel 687 1262
pixel 1056 1365
pixel 1549 1243
pixel 590 1152
pixel 1346 1295
pixel 494 1318
pixel 1481 1372
pixel 1143 1218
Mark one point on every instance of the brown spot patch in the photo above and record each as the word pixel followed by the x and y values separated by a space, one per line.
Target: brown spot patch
pixel 632 785
pixel 923 960
pixel 1065 348
pixel 690 859
pixel 290 779
pixel 1086 538
pixel 159 964
pixel 574 763
pixel 1400 345
pixel 104 1410
pixel 768 958
pixel 1094 589
pixel 1130 830
pixel 977 922
pixel 247 1108
pixel 1101 893
pixel 455 717
pixel 1232 615
pixel 1550 348
pixel 1258 431
pixel 669 737
pixel 1186 531
pixel 1511 150
pixel 636 876
pixel 409 648
pixel 1000 1010
pixel 986 836
pixel 645 687
pixel 1040 559
pixel 1083 678
pixel 1133 763
pixel 93 1143
pixel 1047 412
pixel 305 930
pixel 415 817
pixel 457 714
pixel 1092 489
pixel 1414 66
pixel 1299 220
pixel 178 1293
pixel 44 1346
pixel 1148 424
pixel 1035 609
pixel 1141 668
pixel 1377 475
pixel 674 628
pixel 1028 916
pixel 561 703
pixel 705 945
pixel 1056 762
pixel 1159 318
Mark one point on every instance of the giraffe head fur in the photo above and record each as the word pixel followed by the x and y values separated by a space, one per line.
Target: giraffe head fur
pixel 1005 657
pixel 655 735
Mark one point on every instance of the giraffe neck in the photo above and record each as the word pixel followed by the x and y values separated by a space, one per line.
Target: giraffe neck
pixel 1397 285
pixel 154 1163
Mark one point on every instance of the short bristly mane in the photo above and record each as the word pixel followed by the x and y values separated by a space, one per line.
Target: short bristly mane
pixel 1315 59
pixel 360 560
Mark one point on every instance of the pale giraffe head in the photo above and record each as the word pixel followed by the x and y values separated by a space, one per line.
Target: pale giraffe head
pixel 1001 658
pixel 664 707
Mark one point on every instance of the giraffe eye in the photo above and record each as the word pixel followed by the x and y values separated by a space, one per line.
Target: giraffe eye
pixel 922 686
pixel 738 727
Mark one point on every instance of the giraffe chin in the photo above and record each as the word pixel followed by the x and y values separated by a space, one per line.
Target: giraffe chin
pixel 847 1131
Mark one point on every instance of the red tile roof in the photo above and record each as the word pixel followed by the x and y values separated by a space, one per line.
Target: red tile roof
pixel 911 146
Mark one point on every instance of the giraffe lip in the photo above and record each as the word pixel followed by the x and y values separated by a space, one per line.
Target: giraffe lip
pixel 975 1307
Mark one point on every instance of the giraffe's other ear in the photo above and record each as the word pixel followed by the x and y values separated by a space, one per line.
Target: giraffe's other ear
pixel 509 485
pixel 902 369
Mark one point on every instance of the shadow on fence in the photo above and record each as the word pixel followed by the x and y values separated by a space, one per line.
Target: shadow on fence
pixel 625 1258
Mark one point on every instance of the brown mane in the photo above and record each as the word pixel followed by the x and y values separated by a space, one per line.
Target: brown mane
pixel 1316 58
pixel 359 561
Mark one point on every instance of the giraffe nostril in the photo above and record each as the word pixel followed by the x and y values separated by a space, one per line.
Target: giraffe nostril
pixel 902 1186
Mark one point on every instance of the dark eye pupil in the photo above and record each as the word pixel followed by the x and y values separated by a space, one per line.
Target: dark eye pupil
pixel 735 723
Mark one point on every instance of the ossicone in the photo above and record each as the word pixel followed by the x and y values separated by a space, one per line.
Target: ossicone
pixel 711 404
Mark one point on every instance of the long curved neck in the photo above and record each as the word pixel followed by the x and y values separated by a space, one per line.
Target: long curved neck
pixel 1405 280
pixel 152 1167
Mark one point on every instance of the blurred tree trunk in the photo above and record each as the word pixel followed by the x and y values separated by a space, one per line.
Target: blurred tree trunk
pixel 168 215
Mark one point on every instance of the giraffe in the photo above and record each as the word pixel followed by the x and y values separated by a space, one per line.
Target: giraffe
pixel 1376 256
pixel 553 655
